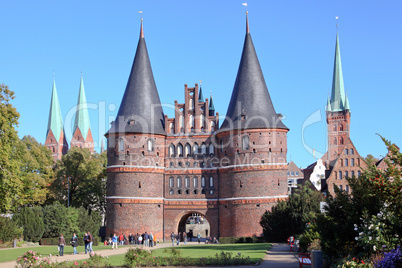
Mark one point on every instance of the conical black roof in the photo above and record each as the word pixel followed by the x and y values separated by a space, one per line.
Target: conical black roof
pixel 250 106
pixel 140 109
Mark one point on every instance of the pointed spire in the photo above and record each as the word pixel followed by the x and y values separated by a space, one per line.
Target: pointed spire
pixel 329 105
pixel 81 116
pixel 211 107
pixel 142 29
pixel 200 96
pixel 347 103
pixel 250 106
pixel 55 122
pixel 247 27
pixel 338 88
pixel 140 109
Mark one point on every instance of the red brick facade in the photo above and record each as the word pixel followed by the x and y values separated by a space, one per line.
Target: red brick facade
pixel 57 148
pixel 230 178
pixel 78 140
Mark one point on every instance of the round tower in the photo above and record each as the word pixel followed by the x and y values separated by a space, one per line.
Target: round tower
pixel 252 147
pixel 135 152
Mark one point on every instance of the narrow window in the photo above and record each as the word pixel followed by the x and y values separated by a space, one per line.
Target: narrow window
pixel 352 162
pixel 195 149
pixel 341 128
pixel 179 182
pixel 347 188
pixel 352 173
pixel 340 187
pixel 211 149
pixel 221 145
pixel 202 123
pixel 245 143
pixel 346 151
pixel 346 174
pixel 171 150
pixel 335 142
pixel 358 173
pixel 211 181
pixel 203 149
pixel 172 128
pixel 187 150
pixel 181 121
pixel 212 126
pixel 171 182
pixel 195 181
pixel 191 104
pixel 180 150
pixel 340 175
pixel 121 145
pixel 203 181
pixel 187 182
pixel 346 163
pixel 150 145
pixel 352 151
pixel 341 141
pixel 192 121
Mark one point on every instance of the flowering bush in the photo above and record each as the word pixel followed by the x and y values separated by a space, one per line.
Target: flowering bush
pixel 30 258
pixel 390 259
pixel 96 260
pixel 135 256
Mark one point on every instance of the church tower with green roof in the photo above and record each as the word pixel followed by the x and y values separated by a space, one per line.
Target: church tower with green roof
pixel 338 110
pixel 55 136
pixel 82 135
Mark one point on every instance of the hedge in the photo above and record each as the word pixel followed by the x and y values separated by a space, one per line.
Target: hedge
pixel 54 241
pixel 236 240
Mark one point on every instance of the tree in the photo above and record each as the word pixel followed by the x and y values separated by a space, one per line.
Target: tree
pixel 35 170
pixel 10 184
pixel 371 159
pixel 291 217
pixel 81 176
pixel 31 219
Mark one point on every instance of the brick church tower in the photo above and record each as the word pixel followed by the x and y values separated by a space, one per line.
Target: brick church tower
pixel 165 172
pixel 338 111
pixel 82 135
pixel 55 136
pixel 253 139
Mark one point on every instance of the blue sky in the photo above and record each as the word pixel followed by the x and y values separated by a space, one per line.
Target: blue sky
pixel 190 41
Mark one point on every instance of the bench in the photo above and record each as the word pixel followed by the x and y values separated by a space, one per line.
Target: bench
pixel 304 259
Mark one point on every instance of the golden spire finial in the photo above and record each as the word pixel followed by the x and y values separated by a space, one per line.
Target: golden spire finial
pixel 337 24
pixel 247 27
pixel 142 28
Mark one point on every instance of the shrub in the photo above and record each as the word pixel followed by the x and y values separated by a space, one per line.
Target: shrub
pixel 30 258
pixel 31 219
pixel 9 230
pixel 390 259
pixel 227 240
pixel 96 260
pixel 135 256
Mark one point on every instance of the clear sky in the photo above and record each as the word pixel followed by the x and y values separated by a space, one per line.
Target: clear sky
pixel 190 41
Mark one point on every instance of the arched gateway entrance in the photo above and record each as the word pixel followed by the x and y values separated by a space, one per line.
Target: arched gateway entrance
pixel 194 223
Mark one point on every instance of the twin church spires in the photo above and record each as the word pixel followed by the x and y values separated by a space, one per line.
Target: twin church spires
pixel 55 136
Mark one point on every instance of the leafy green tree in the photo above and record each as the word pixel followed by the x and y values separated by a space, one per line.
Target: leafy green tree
pixel 10 184
pixel 31 219
pixel 84 175
pixel 36 170
pixel 9 230
pixel 291 217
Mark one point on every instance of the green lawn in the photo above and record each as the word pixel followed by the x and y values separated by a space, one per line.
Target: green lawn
pixel 13 253
pixel 255 251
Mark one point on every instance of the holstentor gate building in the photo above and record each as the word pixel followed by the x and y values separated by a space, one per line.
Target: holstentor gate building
pixel 161 170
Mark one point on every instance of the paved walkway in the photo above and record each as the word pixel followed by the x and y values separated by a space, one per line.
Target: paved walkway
pixel 277 257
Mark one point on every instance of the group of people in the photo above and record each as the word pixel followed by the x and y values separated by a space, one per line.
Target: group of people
pixel 88 241
pixel 176 238
pixel 146 239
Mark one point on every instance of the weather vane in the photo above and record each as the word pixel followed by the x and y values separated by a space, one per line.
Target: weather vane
pixel 245 4
pixel 337 24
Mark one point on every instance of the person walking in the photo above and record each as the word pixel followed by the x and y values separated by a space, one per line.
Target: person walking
pixel 154 240
pixel 74 243
pixel 172 236
pixel 199 238
pixel 114 241
pixel 62 242
pixel 185 238
pixel 90 242
pixel 178 239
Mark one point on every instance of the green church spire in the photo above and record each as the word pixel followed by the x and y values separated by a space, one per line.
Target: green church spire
pixel 55 123
pixel 82 116
pixel 200 96
pixel 329 105
pixel 338 98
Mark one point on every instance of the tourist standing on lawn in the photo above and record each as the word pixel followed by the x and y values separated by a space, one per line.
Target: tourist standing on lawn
pixel 178 239
pixel 146 239
pixel 90 242
pixel 151 240
pixel 154 239
pixel 114 241
pixel 74 243
pixel 139 239
pixel 172 236
pixel 62 242
pixel 199 238
pixel 86 242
